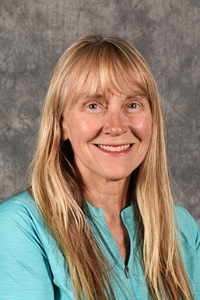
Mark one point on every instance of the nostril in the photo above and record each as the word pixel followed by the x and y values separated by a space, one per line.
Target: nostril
pixel 114 130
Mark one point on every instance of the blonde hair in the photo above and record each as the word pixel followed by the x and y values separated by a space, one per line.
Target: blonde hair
pixel 56 184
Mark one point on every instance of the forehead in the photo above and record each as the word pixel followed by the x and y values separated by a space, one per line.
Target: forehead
pixel 93 86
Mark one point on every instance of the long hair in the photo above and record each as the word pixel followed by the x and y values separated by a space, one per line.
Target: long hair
pixel 56 183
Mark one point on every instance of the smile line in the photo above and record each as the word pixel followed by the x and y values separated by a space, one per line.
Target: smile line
pixel 114 149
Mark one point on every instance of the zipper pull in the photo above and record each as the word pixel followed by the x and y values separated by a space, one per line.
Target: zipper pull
pixel 127 273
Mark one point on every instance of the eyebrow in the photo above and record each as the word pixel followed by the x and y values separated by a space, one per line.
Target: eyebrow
pixel 136 95
pixel 101 97
pixel 97 96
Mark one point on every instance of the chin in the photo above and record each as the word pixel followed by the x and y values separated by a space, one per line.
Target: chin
pixel 117 177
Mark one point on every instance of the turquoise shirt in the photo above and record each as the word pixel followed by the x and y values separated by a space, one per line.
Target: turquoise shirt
pixel 32 268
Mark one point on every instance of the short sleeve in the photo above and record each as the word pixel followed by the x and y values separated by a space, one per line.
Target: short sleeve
pixel 24 270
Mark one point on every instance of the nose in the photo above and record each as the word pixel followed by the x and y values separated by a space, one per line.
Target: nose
pixel 115 124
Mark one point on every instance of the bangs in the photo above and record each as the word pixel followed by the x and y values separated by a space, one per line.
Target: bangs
pixel 106 67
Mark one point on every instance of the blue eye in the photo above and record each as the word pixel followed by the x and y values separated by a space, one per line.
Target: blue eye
pixel 133 105
pixel 93 106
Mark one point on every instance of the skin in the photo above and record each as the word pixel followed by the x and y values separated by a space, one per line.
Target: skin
pixel 117 120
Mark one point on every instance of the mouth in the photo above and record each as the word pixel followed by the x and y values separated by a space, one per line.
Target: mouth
pixel 113 148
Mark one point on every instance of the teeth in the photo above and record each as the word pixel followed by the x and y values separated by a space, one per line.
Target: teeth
pixel 114 149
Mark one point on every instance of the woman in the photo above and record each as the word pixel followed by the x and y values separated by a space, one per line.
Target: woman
pixel 102 224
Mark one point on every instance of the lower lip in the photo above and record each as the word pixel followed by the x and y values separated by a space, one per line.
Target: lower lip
pixel 115 153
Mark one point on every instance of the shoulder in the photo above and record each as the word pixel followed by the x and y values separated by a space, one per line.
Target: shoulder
pixel 21 222
pixel 189 229
pixel 19 208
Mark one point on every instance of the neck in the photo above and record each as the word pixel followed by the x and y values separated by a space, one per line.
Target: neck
pixel 110 196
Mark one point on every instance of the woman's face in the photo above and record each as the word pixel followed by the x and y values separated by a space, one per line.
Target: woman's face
pixel 110 137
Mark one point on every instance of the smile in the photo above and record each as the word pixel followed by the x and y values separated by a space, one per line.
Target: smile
pixel 114 149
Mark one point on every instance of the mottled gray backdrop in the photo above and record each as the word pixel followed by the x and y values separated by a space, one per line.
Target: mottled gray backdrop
pixel 34 34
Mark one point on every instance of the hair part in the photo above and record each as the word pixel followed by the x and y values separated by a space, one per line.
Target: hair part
pixel 109 63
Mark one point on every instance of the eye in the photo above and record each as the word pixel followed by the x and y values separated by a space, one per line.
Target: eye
pixel 133 105
pixel 93 106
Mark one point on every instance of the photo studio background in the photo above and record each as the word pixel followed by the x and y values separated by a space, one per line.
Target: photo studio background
pixel 35 33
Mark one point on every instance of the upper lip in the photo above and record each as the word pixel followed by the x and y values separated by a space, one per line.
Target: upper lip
pixel 114 145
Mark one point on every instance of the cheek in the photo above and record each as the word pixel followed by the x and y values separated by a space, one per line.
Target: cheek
pixel 83 129
pixel 142 128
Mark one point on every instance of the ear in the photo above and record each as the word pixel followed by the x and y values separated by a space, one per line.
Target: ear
pixel 64 130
